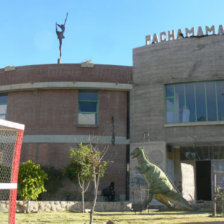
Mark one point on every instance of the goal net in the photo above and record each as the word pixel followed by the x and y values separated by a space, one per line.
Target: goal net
pixel 11 135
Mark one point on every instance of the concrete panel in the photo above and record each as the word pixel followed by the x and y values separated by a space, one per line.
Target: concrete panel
pixel 156 153
pixel 188 180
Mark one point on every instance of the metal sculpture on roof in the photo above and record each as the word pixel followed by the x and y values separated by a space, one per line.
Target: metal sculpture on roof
pixel 60 34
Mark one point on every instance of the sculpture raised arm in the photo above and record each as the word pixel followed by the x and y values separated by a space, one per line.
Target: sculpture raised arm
pixel 60 34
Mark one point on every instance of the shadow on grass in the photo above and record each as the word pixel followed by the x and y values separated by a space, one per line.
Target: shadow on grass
pixel 214 222
pixel 152 214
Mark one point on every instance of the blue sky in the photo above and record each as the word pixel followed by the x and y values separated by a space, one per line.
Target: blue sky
pixel 105 31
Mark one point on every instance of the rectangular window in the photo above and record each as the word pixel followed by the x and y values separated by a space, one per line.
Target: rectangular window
pixel 220 99
pixel 88 103
pixel 200 102
pixel 189 107
pixel 211 101
pixel 171 105
pixel 195 102
pixel 3 106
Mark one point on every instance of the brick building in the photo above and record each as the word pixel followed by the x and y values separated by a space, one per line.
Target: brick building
pixel 62 105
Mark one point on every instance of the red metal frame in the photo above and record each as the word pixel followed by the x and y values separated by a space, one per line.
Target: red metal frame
pixel 14 176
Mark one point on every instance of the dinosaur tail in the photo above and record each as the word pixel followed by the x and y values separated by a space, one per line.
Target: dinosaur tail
pixel 174 201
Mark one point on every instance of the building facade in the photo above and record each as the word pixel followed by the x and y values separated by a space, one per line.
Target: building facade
pixel 65 104
pixel 177 111
pixel 171 102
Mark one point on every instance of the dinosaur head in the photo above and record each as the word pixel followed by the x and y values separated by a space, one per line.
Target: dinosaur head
pixel 136 152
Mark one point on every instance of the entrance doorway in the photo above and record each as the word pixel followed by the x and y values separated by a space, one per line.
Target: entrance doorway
pixel 203 180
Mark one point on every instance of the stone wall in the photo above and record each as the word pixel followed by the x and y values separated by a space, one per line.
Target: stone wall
pixel 76 206
pixel 73 206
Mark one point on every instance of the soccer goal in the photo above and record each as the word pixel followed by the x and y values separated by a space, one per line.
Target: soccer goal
pixel 11 136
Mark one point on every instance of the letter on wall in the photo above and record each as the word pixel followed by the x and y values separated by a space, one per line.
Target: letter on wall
pixel 221 32
pixel 155 39
pixel 191 31
pixel 161 36
pixel 148 39
pixel 210 30
pixel 171 36
pixel 179 34
pixel 200 31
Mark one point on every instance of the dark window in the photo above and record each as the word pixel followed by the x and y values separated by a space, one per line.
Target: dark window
pixel 3 106
pixel 88 96
pixel 88 101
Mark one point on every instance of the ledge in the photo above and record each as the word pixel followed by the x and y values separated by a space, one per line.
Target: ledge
pixel 119 140
pixel 206 123
pixel 66 85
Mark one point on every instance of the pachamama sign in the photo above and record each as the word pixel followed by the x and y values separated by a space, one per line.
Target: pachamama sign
pixel 170 35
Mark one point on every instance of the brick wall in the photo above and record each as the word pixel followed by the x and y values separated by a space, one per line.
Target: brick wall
pixel 55 112
pixel 66 72
pixel 50 112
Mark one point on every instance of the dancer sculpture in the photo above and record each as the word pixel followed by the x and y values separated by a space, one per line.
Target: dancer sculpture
pixel 60 34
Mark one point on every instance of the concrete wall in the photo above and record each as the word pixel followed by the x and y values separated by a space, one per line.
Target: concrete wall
pixel 177 61
pixel 188 179
pixel 183 60
pixel 156 153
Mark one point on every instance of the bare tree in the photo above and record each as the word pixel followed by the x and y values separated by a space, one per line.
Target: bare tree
pixel 98 166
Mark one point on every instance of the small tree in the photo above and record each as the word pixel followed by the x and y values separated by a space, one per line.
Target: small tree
pixel 87 164
pixel 79 170
pixel 98 164
pixel 31 181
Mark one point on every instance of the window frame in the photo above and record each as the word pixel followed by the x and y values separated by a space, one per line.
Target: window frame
pixel 88 101
pixel 4 114
pixel 194 102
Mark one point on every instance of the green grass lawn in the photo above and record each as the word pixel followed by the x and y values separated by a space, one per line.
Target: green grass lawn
pixel 116 217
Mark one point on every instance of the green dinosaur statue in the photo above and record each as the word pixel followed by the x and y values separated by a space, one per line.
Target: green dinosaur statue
pixel 160 186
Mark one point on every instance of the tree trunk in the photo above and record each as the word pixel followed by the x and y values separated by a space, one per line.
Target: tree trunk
pixel 83 201
pixel 28 207
pixel 96 185
pixel 91 217
pixel 222 207
pixel 93 206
